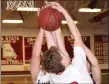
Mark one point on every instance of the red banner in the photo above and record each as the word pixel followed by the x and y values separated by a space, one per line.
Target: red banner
pixel 69 44
pixel 11 50
pixel 28 44
pixel 101 48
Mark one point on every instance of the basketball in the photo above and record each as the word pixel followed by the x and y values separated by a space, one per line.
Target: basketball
pixel 50 19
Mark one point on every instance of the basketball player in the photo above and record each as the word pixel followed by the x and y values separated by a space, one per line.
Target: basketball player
pixel 92 65
pixel 56 64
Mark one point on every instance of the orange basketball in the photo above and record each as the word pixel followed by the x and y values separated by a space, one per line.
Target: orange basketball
pixel 50 19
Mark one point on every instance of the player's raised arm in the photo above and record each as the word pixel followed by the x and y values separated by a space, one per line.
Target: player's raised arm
pixel 50 40
pixel 48 34
pixel 71 24
pixel 79 54
pixel 57 34
pixel 35 60
pixel 95 68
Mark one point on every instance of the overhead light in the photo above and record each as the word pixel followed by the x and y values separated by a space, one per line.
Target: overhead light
pixel 27 9
pixel 89 10
pixel 12 21
pixel 75 22
pixel 65 22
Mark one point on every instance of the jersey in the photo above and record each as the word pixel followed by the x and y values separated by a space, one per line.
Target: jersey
pixel 75 72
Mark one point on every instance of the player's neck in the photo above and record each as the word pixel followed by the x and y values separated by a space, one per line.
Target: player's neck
pixel 59 73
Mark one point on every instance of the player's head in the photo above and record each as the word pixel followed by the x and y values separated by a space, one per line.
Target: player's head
pixel 51 61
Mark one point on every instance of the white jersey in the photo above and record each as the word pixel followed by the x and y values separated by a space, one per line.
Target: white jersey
pixel 75 72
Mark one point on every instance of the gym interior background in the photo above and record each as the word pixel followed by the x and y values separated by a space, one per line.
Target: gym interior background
pixel 18 38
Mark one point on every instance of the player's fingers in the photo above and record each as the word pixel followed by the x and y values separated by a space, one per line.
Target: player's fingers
pixel 46 3
pixel 52 4
pixel 55 3
pixel 38 11
pixel 54 7
pixel 42 7
pixel 45 6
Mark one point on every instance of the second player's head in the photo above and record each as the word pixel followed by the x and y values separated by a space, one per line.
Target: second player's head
pixel 51 61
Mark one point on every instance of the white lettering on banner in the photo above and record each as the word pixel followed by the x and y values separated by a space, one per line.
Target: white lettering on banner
pixel 84 38
pixel 9 38
pixel 30 40
pixel 11 62
pixel 105 38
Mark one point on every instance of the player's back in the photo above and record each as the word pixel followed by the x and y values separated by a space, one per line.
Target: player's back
pixel 75 72
pixel 70 75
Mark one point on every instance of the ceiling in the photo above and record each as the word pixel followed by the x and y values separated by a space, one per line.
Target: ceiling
pixel 30 18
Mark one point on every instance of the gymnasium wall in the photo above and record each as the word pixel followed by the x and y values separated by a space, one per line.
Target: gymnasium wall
pixel 86 30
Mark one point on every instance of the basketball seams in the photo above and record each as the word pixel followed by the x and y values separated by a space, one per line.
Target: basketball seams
pixel 52 16
pixel 52 21
pixel 58 21
pixel 42 19
pixel 48 21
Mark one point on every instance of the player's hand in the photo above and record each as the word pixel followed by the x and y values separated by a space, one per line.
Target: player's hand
pixel 38 11
pixel 45 6
pixel 57 6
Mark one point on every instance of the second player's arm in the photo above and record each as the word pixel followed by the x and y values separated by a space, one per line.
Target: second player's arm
pixel 95 68
pixel 57 34
pixel 50 40
pixel 35 60
pixel 74 30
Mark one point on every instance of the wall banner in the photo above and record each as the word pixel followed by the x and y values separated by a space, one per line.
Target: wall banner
pixel 69 43
pixel 28 46
pixel 11 50
pixel 101 48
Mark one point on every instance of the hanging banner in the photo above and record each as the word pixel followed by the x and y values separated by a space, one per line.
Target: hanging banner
pixel 28 46
pixel 101 48
pixel 69 43
pixel 11 50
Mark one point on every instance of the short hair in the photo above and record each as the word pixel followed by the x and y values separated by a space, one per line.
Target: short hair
pixel 51 61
